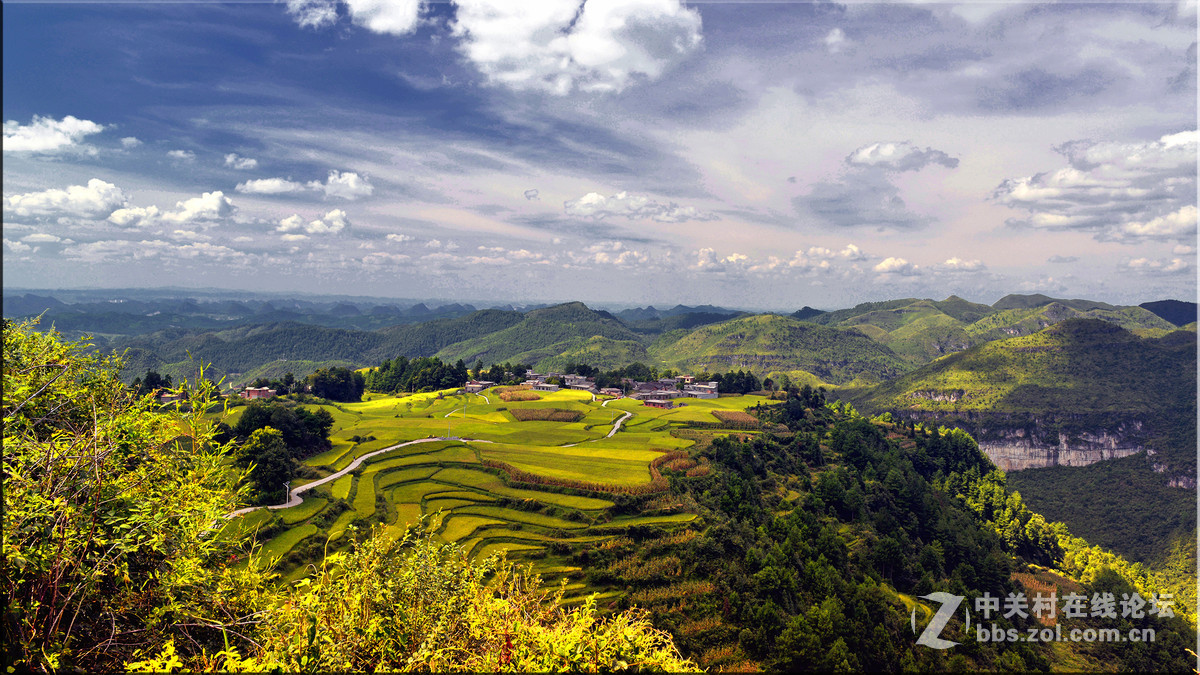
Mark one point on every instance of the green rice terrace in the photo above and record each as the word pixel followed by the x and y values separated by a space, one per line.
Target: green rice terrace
pixel 535 478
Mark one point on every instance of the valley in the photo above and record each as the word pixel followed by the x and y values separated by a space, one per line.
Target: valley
pixel 825 490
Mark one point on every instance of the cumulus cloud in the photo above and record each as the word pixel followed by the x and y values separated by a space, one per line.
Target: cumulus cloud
pixel 130 142
pixel 1183 249
pixel 561 45
pixel 207 207
pixel 902 156
pixel 269 186
pixel 233 161
pixel 48 135
pixel 608 253
pixel 18 247
pixel 393 17
pixel 596 205
pixel 960 265
pixel 134 216
pixel 45 238
pixel 347 185
pixel 331 223
pixel 864 194
pixel 898 266
pixel 1125 192
pixel 707 260
pixel 399 238
pixel 531 195
pixel 313 13
pixel 1148 266
pixel 96 200
pixel 182 155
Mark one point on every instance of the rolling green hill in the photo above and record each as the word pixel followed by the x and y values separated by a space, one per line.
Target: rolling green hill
pixel 541 334
pixel 769 342
pixel 922 330
pixel 1078 365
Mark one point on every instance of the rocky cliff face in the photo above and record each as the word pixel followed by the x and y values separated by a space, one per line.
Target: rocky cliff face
pixel 1014 451
pixel 1016 442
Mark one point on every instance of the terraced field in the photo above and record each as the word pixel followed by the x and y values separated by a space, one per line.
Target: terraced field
pixel 490 483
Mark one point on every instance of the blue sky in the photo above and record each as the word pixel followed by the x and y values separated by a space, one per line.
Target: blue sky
pixel 761 155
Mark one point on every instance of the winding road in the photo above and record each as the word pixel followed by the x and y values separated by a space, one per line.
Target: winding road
pixel 294 498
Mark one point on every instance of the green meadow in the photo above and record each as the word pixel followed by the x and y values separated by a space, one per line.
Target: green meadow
pixel 462 486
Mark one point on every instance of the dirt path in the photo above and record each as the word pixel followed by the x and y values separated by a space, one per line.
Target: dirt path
pixel 294 498
pixel 616 427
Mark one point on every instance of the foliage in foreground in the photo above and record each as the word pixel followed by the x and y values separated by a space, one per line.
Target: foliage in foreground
pixel 117 556
pixel 418 605
pixel 107 514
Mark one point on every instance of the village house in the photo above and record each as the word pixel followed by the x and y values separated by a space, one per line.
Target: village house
pixel 252 393
pixel 545 386
pixel 476 386
pixel 701 390
pixel 658 403
pixel 612 391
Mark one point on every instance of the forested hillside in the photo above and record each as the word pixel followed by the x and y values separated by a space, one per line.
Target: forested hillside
pixel 769 342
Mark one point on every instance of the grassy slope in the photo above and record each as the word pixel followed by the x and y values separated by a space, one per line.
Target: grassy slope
pixel 769 342
pixel 541 334
pixel 1077 366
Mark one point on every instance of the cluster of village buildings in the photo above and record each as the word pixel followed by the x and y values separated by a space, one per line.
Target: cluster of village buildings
pixel 659 393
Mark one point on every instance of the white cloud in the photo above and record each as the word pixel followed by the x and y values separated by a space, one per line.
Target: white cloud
pixel 18 247
pixel 96 200
pixel 1125 192
pixel 348 185
pixel 852 252
pixel 313 13
pixel 331 223
pixel 233 161
pixel 392 17
pixel 182 155
pixel 134 216
pixel 901 156
pixel 1156 267
pixel 130 142
pixel 45 238
pixel 117 250
pixel 269 186
pixel 558 45
pixel 47 135
pixel 1057 259
pixel 294 237
pixel 596 205
pixel 399 238
pixel 960 265
pixel 898 266
pixel 433 243
pixel 207 207
pixel 707 260
pixel 1183 249
pixel 1176 225
pixel 190 234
